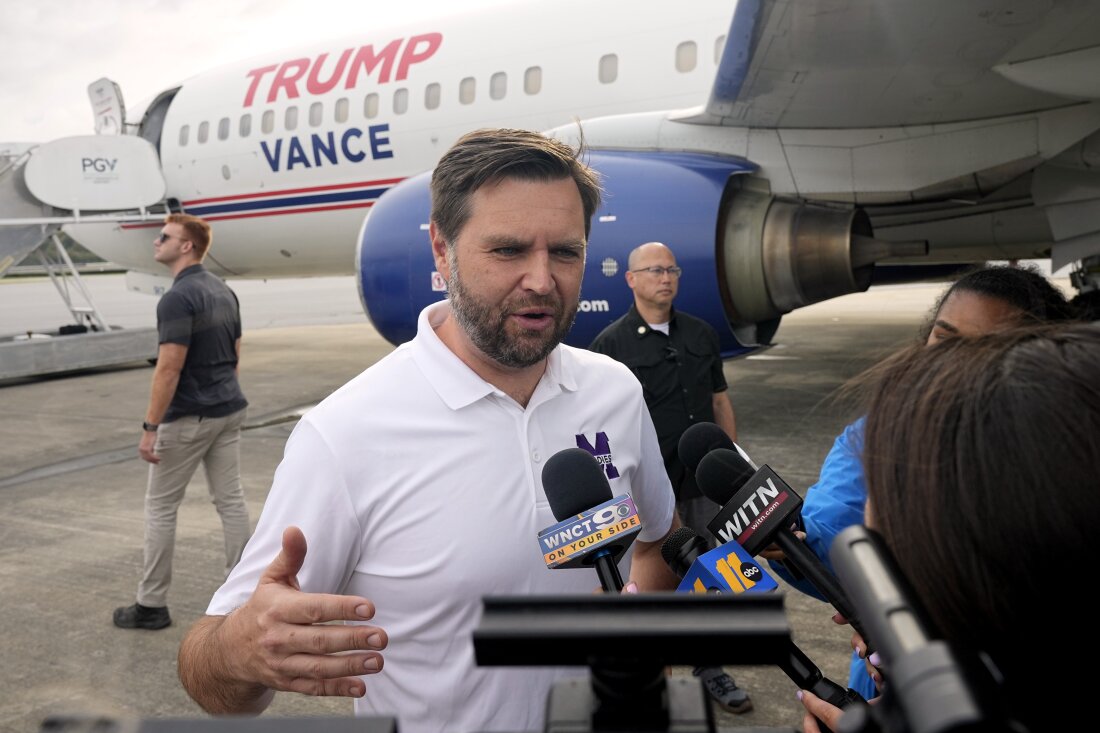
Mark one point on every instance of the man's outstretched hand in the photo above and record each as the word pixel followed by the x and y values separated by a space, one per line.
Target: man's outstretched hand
pixel 281 639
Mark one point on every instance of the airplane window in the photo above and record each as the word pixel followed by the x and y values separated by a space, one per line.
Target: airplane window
pixel 290 121
pixel 267 124
pixel 532 80
pixel 498 85
pixel 686 56
pixel 609 68
pixel 204 131
pixel 370 106
pixel 718 46
pixel 316 110
pixel 245 128
pixel 431 95
pixel 467 89
pixel 401 101
pixel 223 128
pixel 184 131
pixel 342 109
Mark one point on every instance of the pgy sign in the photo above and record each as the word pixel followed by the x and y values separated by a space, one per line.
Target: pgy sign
pixel 96 173
pixel 98 165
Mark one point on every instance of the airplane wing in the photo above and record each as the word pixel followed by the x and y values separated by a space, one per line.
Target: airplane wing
pixel 876 63
pixel 881 134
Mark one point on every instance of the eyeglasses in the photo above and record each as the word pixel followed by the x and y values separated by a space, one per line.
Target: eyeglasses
pixel 658 271
pixel 165 236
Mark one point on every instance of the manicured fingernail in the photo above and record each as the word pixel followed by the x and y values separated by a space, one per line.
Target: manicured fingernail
pixel 631 587
pixel 875 659
pixel 363 611
pixel 798 694
pixel 372 664
pixel 375 640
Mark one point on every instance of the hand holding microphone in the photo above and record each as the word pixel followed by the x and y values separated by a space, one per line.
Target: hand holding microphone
pixel 758 508
pixel 704 570
pixel 936 685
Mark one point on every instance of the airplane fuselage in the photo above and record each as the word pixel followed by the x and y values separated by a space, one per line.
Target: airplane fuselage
pixel 745 135
pixel 286 153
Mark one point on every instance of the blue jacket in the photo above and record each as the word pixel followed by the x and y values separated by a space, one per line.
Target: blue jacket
pixel 836 501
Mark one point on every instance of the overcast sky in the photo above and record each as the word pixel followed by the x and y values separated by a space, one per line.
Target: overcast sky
pixel 53 49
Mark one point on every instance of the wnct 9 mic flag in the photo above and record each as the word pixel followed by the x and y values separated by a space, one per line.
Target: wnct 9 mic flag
pixel 611 525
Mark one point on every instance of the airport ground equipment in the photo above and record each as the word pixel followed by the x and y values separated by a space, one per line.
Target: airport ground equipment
pixel 43 187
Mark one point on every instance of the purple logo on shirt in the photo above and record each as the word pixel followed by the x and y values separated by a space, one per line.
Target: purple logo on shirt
pixel 602 453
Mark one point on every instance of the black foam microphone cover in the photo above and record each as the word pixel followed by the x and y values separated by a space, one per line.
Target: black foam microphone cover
pixel 574 482
pixel 721 473
pixel 681 548
pixel 700 439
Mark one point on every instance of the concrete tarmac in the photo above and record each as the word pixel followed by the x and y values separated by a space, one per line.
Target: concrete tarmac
pixel 72 486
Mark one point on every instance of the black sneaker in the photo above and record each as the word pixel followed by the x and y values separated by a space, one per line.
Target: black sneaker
pixel 723 690
pixel 138 616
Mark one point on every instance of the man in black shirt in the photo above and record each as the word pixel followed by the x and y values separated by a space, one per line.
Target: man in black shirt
pixel 196 409
pixel 676 358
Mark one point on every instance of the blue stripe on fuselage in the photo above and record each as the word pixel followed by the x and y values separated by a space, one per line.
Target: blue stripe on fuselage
pixel 362 195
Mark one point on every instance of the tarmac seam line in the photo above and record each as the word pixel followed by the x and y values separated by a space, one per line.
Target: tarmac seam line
pixel 118 455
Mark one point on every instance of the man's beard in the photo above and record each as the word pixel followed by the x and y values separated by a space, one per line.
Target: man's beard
pixel 486 324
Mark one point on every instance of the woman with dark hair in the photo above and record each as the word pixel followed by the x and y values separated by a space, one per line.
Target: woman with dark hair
pixel 981 460
pixel 981 301
pixel 984 297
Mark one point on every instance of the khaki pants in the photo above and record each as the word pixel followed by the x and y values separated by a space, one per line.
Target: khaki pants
pixel 181 445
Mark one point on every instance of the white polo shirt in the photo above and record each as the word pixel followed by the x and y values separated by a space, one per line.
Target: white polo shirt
pixel 418 485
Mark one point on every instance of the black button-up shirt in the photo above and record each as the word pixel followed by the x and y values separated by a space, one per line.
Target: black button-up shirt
pixel 680 373
pixel 200 312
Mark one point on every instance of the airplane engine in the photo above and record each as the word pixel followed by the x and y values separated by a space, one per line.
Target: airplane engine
pixel 748 258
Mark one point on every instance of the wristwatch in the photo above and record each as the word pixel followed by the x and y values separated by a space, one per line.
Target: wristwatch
pixel 149 427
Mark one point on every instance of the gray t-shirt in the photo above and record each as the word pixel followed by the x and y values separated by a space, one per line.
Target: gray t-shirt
pixel 200 312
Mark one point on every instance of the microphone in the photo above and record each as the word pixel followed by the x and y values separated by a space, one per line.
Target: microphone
pixel 594 528
pixel 757 510
pixel 726 569
pixel 937 687
pixel 700 439
pixel 689 556
pixel 683 548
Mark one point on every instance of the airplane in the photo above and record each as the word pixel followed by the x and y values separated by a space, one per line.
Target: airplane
pixel 788 151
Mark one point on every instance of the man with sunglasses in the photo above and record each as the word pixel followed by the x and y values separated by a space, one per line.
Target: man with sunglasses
pixel 194 416
pixel 676 358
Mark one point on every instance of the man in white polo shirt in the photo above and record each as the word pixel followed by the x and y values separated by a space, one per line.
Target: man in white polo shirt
pixel 417 485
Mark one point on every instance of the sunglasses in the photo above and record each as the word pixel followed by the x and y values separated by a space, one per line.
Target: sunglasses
pixel 165 236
